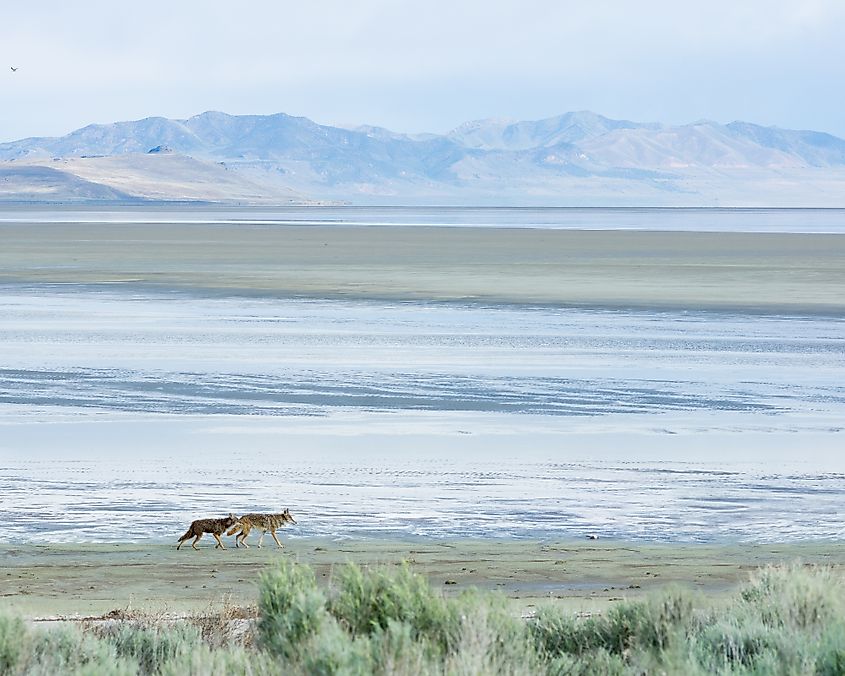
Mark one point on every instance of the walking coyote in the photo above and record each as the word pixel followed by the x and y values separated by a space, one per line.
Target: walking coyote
pixel 266 522
pixel 213 526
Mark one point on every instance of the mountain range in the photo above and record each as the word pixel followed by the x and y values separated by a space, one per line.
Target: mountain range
pixel 578 158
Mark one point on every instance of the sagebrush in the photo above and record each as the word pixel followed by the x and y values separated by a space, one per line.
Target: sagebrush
pixel 784 620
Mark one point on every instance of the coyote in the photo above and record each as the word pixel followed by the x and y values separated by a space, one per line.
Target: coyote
pixel 213 526
pixel 266 522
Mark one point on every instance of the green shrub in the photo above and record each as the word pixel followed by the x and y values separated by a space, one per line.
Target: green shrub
pixel 596 663
pixel 291 607
pixel 368 600
pixel 13 638
pixel 830 652
pixel 395 650
pixel 205 661
pixel 796 597
pixel 56 650
pixel 729 644
pixel 334 651
pixel 678 658
pixel 651 624
pixel 69 649
pixel 556 632
pixel 152 647
pixel 115 667
pixel 491 639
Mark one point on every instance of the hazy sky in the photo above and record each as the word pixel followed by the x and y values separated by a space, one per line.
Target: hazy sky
pixel 422 66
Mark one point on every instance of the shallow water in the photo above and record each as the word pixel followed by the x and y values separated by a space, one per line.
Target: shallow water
pixel 792 220
pixel 125 413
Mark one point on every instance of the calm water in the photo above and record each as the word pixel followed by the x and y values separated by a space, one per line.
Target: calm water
pixel 124 413
pixel 590 218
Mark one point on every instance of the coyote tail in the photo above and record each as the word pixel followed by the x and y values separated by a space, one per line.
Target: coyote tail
pixel 187 534
pixel 232 530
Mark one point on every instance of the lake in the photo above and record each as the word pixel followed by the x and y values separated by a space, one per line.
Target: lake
pixel 666 375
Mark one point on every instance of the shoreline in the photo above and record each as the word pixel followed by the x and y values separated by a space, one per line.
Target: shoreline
pixel 83 580
pixel 207 292
pixel 762 272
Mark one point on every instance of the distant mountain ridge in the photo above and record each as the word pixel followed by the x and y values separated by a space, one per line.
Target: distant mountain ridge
pixel 574 158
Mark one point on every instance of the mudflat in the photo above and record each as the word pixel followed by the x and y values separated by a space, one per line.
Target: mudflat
pixel 92 579
pixel 766 272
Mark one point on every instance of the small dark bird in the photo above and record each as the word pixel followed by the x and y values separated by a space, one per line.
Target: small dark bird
pixel 14 70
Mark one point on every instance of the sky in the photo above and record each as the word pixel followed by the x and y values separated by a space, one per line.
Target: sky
pixel 422 66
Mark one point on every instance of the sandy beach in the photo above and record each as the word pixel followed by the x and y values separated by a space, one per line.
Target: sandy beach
pixel 93 579
pixel 760 272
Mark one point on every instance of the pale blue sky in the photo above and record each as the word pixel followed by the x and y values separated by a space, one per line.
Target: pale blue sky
pixel 422 66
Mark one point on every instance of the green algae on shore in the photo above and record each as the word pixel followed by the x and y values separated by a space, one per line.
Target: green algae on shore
pixel 91 579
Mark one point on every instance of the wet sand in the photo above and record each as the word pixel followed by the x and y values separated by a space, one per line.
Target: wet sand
pixel 91 579
pixel 765 272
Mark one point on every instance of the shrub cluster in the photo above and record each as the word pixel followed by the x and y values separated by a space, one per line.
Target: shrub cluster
pixel 390 621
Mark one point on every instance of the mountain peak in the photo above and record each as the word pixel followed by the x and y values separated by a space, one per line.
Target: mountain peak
pixel 212 115
pixel 482 123
pixel 564 129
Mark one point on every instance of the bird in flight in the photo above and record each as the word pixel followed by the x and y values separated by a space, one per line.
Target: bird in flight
pixel 14 70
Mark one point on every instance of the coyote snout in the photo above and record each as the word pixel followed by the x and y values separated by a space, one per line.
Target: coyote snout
pixel 213 526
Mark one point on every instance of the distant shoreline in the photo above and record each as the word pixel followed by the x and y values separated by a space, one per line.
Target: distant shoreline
pixel 410 205
pixel 775 273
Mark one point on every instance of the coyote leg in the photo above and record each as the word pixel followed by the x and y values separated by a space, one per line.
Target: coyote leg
pixel 261 539
pixel 194 543
pixel 273 533
pixel 219 542
pixel 242 537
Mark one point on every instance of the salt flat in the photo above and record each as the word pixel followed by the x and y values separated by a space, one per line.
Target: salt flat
pixel 419 380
